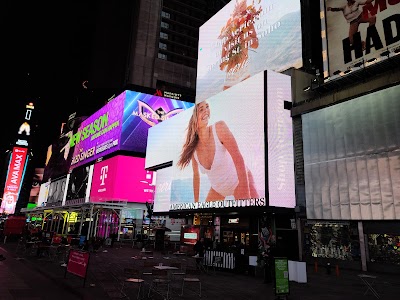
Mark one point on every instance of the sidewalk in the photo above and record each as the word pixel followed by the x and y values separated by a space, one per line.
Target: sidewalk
pixel 221 285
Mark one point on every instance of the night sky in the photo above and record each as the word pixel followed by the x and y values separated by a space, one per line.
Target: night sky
pixel 46 53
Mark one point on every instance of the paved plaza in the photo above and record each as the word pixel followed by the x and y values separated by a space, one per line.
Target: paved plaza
pixel 26 276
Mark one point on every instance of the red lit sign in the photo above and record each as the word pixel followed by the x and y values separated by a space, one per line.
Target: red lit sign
pixel 15 175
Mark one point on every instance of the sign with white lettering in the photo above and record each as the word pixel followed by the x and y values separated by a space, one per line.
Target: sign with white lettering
pixel 15 176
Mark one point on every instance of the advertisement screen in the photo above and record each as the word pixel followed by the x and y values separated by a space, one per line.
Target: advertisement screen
pixel 59 153
pixel 281 184
pixel 43 194
pixel 79 185
pixel 360 31
pixel 99 134
pixel 122 178
pixel 143 111
pixel 15 176
pixel 162 198
pixel 352 158
pixel 228 165
pixel 245 38
pixel 36 182
pixel 57 190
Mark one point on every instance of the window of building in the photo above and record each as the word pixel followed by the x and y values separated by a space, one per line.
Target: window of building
pixel 164 35
pixel 162 46
pixel 165 15
pixel 162 56
pixel 164 25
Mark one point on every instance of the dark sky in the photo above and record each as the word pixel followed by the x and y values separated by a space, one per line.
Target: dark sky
pixel 46 52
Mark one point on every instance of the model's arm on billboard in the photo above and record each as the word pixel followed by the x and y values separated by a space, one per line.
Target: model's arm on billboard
pixel 196 180
pixel 226 137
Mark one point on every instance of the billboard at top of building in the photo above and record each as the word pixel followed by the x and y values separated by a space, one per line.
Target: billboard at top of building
pixel 228 165
pixel 122 124
pixel 245 38
pixel 142 111
pixel 360 30
pixel 122 178
pixel 14 179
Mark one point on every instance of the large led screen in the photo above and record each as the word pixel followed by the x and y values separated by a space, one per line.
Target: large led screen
pixel 143 111
pixel 245 38
pixel 99 134
pixel 360 31
pixel 57 191
pixel 352 158
pixel 162 197
pixel 122 178
pixel 230 171
pixel 122 124
pixel 14 179
pixel 79 183
pixel 281 182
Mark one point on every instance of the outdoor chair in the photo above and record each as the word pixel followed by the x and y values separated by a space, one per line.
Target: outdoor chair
pixel 132 277
pixel 191 277
pixel 160 284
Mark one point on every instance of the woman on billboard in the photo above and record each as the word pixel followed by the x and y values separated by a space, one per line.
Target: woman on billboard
pixel 213 150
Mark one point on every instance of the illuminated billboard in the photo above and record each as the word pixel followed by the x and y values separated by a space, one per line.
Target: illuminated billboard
pixel 99 134
pixel 122 178
pixel 352 158
pixel 122 124
pixel 245 38
pixel 142 111
pixel 359 32
pixel 14 179
pixel 228 165
pixel 79 182
pixel 56 192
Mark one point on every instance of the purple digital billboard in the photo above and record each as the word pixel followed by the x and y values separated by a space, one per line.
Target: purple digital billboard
pixel 143 111
pixel 99 134
pixel 122 124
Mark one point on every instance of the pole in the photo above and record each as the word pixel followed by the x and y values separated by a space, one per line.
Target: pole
pixel 362 246
pixel 119 225
pixel 81 222
pixel 90 221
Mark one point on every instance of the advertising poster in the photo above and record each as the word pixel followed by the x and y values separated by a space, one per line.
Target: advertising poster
pixel 122 178
pixel 56 192
pixel 99 134
pixel 36 182
pixel 360 30
pixel 15 176
pixel 216 177
pixel 79 185
pixel 245 38
pixel 281 276
pixel 142 111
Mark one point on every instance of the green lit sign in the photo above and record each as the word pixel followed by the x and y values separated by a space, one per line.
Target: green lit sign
pixel 281 276
pixel 93 129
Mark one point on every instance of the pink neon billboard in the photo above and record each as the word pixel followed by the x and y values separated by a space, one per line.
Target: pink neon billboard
pixel 122 178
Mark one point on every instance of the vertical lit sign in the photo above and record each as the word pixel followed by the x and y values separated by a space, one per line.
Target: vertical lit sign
pixel 24 130
pixel 15 175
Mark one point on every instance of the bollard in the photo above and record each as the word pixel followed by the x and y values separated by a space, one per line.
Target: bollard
pixel 316 266
pixel 328 268
pixel 337 270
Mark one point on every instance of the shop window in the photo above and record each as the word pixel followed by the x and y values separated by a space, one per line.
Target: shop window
pixel 332 240
pixel 384 248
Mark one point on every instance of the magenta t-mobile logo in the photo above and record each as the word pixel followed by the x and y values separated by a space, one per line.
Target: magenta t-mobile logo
pixel 103 174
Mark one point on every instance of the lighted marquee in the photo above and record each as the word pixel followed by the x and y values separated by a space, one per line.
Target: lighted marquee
pixel 376 27
pixel 122 178
pixel 245 38
pixel 122 124
pixel 14 179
